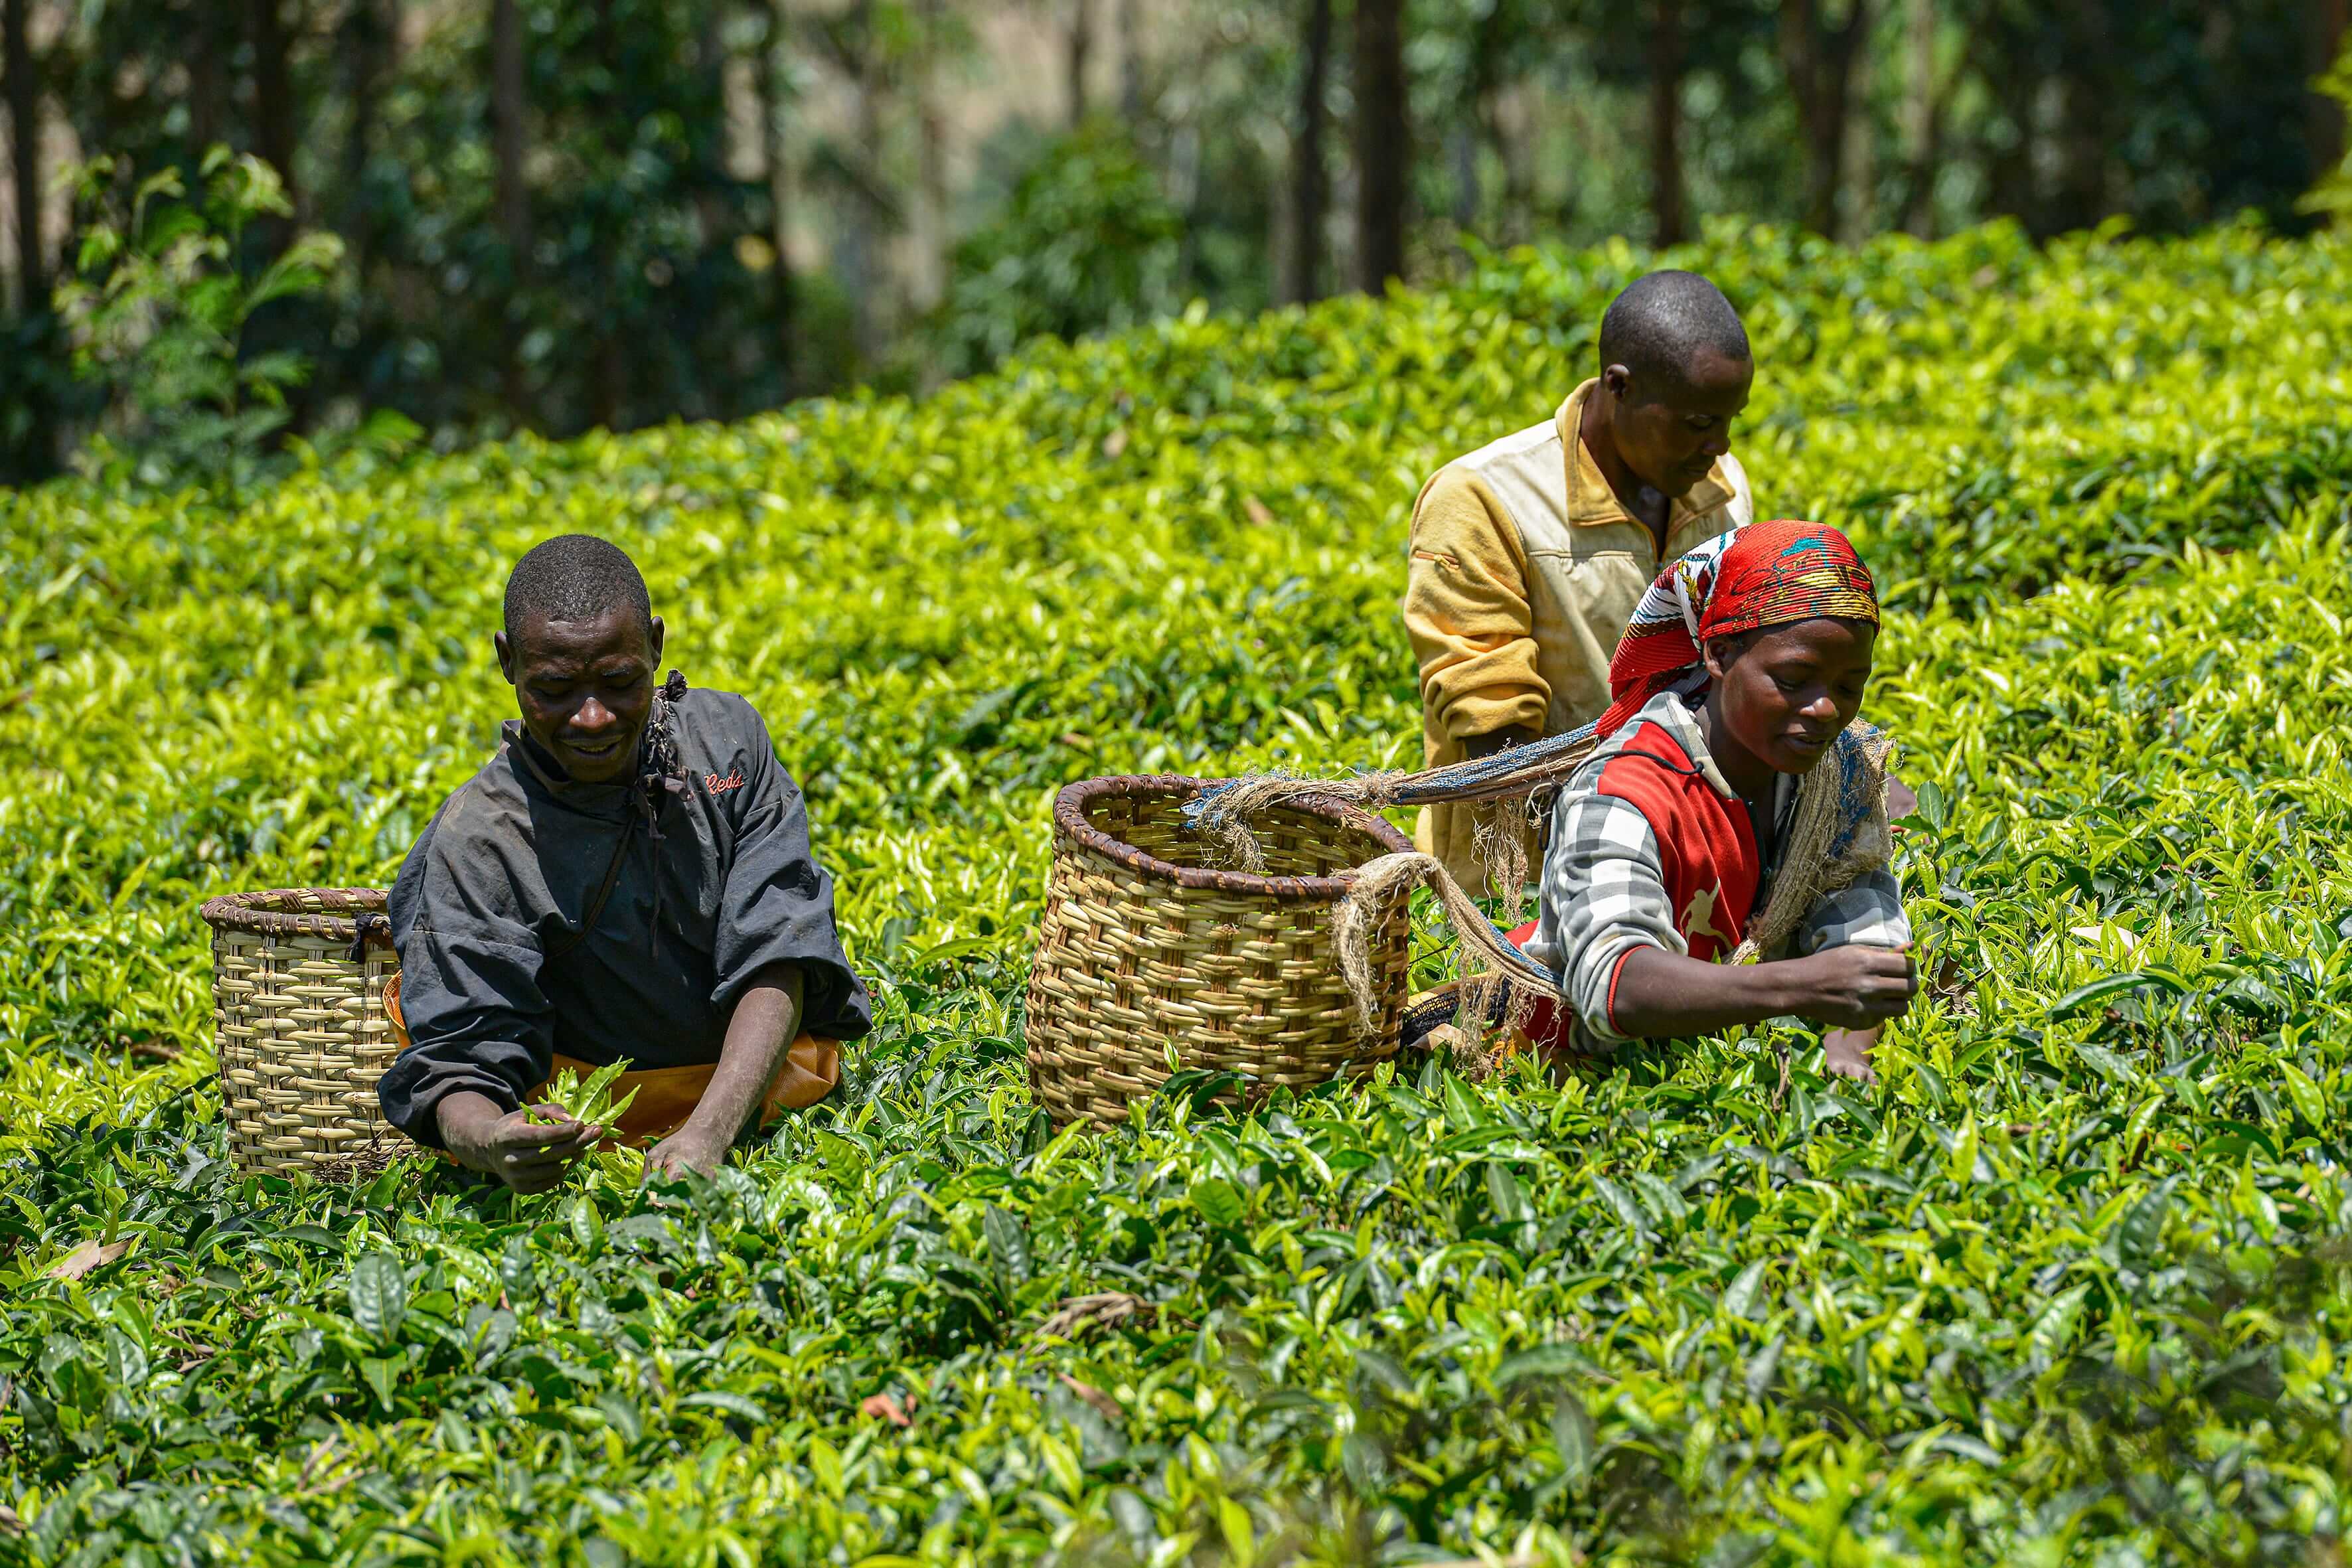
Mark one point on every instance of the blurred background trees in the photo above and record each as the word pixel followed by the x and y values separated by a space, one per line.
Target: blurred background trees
pixel 554 214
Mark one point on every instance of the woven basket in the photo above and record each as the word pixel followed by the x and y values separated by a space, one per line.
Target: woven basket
pixel 1142 947
pixel 302 1035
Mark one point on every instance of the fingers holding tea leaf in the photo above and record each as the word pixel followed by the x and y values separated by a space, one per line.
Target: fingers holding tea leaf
pixel 530 1149
pixel 549 1132
pixel 590 1098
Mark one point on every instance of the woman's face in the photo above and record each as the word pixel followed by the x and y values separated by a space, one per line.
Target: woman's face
pixel 1787 691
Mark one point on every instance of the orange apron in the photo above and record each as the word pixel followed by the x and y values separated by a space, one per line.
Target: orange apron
pixel 667 1096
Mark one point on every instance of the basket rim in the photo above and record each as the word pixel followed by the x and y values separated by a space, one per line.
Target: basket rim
pixel 266 912
pixel 1070 820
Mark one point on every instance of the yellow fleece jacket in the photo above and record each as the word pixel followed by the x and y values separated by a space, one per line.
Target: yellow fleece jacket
pixel 1525 569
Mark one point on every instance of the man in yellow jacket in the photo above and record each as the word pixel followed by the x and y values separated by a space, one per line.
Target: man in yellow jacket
pixel 1529 555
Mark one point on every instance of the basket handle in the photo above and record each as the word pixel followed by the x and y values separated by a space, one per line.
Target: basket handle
pixel 366 924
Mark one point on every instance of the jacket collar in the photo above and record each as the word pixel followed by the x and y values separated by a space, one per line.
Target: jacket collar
pixel 1671 711
pixel 654 772
pixel 1589 499
pixel 544 774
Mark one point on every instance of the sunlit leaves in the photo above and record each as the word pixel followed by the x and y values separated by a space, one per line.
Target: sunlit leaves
pixel 2087 1228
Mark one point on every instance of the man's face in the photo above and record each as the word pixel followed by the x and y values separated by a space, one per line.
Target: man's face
pixel 1787 691
pixel 585 687
pixel 1670 431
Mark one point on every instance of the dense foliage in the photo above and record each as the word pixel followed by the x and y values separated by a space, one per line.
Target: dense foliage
pixel 558 216
pixel 2065 1288
pixel 158 315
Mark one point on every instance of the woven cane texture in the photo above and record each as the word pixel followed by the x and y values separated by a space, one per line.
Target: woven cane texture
pixel 1142 947
pixel 300 1028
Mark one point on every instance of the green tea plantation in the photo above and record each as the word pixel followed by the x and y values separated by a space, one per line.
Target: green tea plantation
pixel 2072 1285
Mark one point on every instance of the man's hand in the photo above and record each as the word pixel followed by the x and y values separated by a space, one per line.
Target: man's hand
pixel 528 1155
pixel 690 1148
pixel 766 1017
pixel 1853 987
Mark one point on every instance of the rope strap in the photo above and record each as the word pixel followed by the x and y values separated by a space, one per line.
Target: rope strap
pixel 1486 949
pixel 369 926
pixel 1837 835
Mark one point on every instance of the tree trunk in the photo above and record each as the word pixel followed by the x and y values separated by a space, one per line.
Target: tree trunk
pixel 205 87
pixel 2009 60
pixel 23 91
pixel 930 210
pixel 2324 125
pixel 1476 125
pixel 859 256
pixel 1184 196
pixel 2081 199
pixel 1857 215
pixel 1819 59
pixel 1310 181
pixel 1383 142
pixel 1081 49
pixel 508 106
pixel 364 45
pixel 775 100
pixel 609 393
pixel 1130 61
pixel 1511 134
pixel 1462 151
pixel 1670 218
pixel 1923 120
pixel 275 120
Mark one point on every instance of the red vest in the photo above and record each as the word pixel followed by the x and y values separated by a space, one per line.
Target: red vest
pixel 1706 842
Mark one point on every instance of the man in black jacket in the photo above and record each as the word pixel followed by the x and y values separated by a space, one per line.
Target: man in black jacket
pixel 628 878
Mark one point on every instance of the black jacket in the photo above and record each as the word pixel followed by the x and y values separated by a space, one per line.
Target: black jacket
pixel 714 882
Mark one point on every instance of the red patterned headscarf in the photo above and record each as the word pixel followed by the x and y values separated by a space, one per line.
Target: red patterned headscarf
pixel 1766 575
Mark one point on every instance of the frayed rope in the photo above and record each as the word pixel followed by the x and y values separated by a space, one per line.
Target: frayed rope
pixel 1222 813
pixel 1839 836
pixel 1485 954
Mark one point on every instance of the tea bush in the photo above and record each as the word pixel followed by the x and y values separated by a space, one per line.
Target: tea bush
pixel 2065 1288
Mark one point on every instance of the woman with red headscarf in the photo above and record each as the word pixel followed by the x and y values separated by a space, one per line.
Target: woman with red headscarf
pixel 1744 665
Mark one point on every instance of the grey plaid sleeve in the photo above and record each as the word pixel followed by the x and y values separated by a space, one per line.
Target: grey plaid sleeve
pixel 1867 914
pixel 1605 894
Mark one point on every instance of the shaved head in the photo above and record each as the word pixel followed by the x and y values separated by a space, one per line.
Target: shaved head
pixel 1665 324
pixel 575 577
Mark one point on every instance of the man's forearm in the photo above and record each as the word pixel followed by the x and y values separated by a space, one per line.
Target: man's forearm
pixel 1665 996
pixel 765 1022
pixel 465 1119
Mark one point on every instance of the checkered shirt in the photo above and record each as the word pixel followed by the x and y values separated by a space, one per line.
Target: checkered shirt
pixel 1604 890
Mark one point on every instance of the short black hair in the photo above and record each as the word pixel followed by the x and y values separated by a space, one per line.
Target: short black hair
pixel 1660 322
pixel 575 577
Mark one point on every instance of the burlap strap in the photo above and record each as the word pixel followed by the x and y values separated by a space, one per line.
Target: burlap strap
pixel 1839 836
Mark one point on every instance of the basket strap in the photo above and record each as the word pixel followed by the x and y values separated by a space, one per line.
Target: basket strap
pixel 368 923
pixel 589 916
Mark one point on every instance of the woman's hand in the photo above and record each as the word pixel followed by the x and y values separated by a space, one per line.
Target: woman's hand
pixel 1853 987
pixel 529 1150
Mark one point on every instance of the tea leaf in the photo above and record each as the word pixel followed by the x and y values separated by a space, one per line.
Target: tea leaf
pixel 378 1295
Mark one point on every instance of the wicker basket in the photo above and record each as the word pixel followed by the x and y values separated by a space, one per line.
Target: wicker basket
pixel 1141 947
pixel 302 1035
